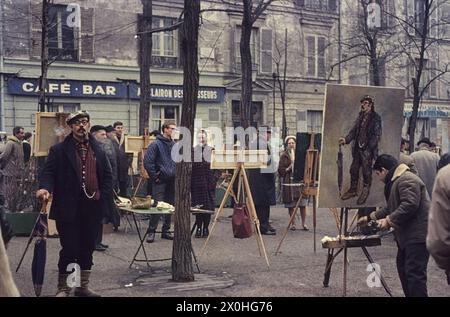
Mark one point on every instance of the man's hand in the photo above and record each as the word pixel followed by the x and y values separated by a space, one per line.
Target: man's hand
pixel 341 141
pixel 363 221
pixel 42 194
pixel 290 167
pixel 383 224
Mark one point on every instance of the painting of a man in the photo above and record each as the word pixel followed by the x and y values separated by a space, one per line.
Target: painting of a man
pixel 359 122
pixel 364 137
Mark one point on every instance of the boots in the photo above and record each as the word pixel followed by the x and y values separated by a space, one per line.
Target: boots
pixel 363 196
pixel 63 289
pixel 84 291
pixel 351 192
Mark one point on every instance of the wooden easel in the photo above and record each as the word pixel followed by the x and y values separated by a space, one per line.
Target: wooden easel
pixel 343 244
pixel 244 184
pixel 309 188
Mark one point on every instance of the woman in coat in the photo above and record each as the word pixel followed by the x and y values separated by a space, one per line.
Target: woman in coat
pixel 203 184
pixel 290 194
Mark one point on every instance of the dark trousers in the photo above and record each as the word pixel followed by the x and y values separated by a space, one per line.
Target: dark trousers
pixel 163 191
pixel 361 159
pixel 78 237
pixel 412 263
pixel 123 186
pixel 202 220
pixel 263 213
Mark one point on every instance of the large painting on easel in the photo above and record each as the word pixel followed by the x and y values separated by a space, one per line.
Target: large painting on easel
pixel 360 122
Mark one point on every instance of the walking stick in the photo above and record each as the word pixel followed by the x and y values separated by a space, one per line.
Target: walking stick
pixel 43 210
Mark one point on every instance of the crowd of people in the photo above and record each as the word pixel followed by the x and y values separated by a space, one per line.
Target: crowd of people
pixel 85 171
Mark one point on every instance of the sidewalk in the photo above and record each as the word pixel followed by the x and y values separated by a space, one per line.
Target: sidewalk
pixel 231 267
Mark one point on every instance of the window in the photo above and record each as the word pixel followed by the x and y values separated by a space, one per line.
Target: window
pixel 314 121
pixel 64 107
pixel 213 114
pixel 256 118
pixel 163 43
pixel 416 18
pixel 160 114
pixel 322 5
pixel 381 72
pixel 428 73
pixel 61 37
pixel 254 44
pixel 315 46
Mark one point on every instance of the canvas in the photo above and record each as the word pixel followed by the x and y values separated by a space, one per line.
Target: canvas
pixel 346 178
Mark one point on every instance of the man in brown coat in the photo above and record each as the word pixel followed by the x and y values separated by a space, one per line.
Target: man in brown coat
pixel 438 238
pixel 407 212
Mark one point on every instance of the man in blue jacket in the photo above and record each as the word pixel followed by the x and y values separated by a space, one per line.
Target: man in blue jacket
pixel 160 167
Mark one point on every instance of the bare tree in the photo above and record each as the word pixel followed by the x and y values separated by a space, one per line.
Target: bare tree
pixel 44 54
pixel 280 60
pixel 424 30
pixel 376 45
pixel 252 10
pixel 182 268
pixel 145 57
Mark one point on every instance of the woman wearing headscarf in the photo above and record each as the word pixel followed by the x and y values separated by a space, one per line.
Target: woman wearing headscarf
pixel 291 194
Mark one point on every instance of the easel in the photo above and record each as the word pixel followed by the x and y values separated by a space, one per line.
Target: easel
pixel 307 188
pixel 239 170
pixel 342 244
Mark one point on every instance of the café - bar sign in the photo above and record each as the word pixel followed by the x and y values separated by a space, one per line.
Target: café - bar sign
pixel 107 90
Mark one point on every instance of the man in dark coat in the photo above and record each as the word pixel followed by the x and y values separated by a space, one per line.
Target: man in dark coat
pixel 262 182
pixel 407 212
pixel 123 160
pixel 78 175
pixel 365 135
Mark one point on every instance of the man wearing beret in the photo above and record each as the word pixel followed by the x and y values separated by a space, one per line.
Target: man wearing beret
pixel 78 175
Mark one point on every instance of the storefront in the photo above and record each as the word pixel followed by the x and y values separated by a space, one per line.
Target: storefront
pixel 107 102
pixel 433 121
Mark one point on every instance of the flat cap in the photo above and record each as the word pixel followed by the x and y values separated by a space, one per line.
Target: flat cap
pixel 77 115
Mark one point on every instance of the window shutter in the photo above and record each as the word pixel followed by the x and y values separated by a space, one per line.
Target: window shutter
pixel 432 88
pixel 36 30
pixel 332 5
pixel 311 55
pixel 87 35
pixel 232 50
pixel 434 21
pixel 266 51
pixel 321 50
pixel 410 13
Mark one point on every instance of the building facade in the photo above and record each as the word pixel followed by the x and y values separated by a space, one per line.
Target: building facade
pixel 95 63
pixel 95 66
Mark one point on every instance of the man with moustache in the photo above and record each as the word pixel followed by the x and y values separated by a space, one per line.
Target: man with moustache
pixel 78 175
pixel 365 135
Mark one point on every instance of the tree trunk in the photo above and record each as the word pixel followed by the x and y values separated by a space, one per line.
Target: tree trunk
pixel 182 268
pixel 246 65
pixel 44 56
pixel 418 92
pixel 145 61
